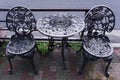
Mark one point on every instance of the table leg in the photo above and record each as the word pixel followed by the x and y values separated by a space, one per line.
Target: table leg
pixel 51 44
pixel 62 50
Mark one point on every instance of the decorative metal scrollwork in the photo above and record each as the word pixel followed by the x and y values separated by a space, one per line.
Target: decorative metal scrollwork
pixel 100 18
pixel 20 20
pixel 60 25
pixel 20 46
pixel 98 47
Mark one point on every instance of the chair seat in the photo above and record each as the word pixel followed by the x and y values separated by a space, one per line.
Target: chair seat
pixel 19 47
pixel 97 47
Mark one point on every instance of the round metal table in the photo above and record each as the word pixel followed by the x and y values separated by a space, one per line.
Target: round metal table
pixel 60 26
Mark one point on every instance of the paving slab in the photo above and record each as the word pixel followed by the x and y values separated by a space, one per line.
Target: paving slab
pixel 50 67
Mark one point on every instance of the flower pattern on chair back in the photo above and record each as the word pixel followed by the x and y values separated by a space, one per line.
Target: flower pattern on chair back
pixel 20 20
pixel 100 19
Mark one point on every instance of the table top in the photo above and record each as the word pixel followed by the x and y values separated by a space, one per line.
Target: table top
pixel 60 25
pixel 98 47
pixel 18 47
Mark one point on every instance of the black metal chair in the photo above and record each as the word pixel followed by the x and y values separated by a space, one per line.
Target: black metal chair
pixel 98 21
pixel 20 20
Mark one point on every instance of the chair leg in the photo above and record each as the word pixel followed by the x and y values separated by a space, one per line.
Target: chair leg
pixel 85 61
pixel 106 68
pixel 32 63
pixel 10 71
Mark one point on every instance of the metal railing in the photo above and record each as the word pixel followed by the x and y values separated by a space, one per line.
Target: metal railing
pixel 45 10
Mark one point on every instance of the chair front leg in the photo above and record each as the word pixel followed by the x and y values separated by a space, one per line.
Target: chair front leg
pixel 10 71
pixel 107 66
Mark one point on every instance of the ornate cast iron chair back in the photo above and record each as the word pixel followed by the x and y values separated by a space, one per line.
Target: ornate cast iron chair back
pixel 98 21
pixel 20 20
